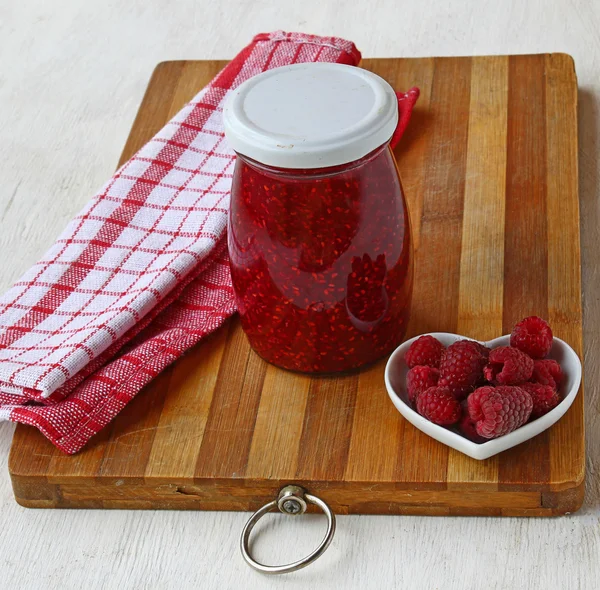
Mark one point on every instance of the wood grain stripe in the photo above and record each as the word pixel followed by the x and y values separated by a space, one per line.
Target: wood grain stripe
pixel 185 411
pixel 128 449
pixel 276 441
pixel 376 426
pixel 327 428
pixel 482 255
pixel 564 276
pixel 525 237
pixel 437 261
pixel 230 425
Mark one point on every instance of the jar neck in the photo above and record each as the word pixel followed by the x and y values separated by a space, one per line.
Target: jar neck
pixel 313 173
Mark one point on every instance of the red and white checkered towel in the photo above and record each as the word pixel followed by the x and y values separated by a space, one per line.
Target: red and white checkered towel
pixel 142 273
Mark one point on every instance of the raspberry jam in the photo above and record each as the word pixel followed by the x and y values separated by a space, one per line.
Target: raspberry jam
pixel 321 261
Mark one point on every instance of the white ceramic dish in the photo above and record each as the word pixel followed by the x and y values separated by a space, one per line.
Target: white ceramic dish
pixel 395 382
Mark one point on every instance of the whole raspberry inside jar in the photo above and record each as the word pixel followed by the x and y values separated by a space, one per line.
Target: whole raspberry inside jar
pixel 319 234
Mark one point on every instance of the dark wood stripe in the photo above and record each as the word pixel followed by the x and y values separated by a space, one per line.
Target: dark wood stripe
pixel 525 236
pixel 437 261
pixel 230 424
pixel 525 245
pixel 327 428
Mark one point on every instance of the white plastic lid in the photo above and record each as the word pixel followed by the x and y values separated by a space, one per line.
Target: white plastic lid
pixel 311 115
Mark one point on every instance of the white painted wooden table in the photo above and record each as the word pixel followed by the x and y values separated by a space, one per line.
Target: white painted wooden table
pixel 72 75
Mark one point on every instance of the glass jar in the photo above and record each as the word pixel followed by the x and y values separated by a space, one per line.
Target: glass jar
pixel 321 256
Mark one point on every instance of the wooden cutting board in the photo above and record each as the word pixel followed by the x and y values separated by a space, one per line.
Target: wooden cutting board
pixel 489 165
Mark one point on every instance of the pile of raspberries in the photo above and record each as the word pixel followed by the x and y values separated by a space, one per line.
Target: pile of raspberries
pixel 486 393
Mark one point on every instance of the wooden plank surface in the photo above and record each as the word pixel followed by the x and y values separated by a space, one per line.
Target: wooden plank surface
pixel 489 166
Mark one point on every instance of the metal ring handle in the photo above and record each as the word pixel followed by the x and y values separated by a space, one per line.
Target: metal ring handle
pixel 291 500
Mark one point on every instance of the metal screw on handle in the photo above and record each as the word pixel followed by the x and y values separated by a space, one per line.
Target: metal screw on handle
pixel 292 500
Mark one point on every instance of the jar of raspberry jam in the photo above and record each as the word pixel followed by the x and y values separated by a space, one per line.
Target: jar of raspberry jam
pixel 319 235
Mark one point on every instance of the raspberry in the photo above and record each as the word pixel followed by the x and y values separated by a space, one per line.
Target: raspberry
pixel 508 366
pixel 467 425
pixel 544 397
pixel 533 336
pixel 461 367
pixel 499 410
pixel 547 372
pixel 425 351
pixel 419 379
pixel 438 405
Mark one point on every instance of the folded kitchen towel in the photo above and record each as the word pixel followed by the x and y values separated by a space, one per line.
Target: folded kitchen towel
pixel 142 273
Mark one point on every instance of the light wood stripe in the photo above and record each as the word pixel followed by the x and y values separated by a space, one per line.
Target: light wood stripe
pixel 482 257
pixel 276 441
pixel 128 449
pixel 437 262
pixel 185 412
pixel 564 277
pixel 526 235
pixel 230 425
pixel 376 426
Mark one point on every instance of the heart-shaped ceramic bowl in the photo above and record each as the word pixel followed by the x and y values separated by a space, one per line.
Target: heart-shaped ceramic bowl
pixel 395 382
